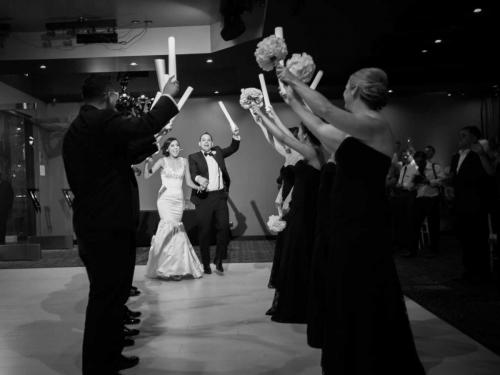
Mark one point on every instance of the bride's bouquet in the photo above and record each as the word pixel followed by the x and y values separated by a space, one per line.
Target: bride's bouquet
pixel 275 224
pixel 269 51
pixel 302 66
pixel 251 98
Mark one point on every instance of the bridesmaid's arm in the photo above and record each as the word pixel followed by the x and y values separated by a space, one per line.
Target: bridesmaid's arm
pixel 148 172
pixel 187 176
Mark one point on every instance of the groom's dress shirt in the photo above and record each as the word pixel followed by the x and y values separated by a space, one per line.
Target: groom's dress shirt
pixel 215 181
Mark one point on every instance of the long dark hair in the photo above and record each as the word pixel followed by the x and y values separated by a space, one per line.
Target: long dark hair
pixel 166 145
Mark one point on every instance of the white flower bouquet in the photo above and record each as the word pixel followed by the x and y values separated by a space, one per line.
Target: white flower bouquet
pixel 269 51
pixel 275 224
pixel 302 66
pixel 251 98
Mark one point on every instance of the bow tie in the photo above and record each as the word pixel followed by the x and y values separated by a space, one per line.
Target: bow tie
pixel 208 153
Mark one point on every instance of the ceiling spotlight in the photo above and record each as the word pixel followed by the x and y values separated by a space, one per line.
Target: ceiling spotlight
pixel 437 41
pixel 209 61
pixel 133 63
pixel 425 51
pixel 26 74
pixel 478 10
pixel 390 91
pixel 216 92
pixel 135 22
pixel 43 67
pixel 449 94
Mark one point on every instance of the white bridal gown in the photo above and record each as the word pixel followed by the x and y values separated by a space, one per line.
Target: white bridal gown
pixel 171 254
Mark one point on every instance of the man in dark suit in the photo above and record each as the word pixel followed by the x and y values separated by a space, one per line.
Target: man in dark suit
pixel 98 150
pixel 209 171
pixel 470 171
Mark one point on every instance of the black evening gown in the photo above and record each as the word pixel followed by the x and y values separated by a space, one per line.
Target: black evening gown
pixel 367 330
pixel 287 177
pixel 297 242
pixel 317 285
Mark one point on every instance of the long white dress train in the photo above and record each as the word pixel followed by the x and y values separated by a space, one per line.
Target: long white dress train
pixel 171 253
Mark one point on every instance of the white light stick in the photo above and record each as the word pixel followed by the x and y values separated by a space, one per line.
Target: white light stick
pixel 184 97
pixel 228 117
pixel 172 65
pixel 263 87
pixel 155 100
pixel 316 79
pixel 160 73
pixel 278 32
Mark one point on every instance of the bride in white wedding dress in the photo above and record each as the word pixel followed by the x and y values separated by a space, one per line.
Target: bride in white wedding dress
pixel 171 255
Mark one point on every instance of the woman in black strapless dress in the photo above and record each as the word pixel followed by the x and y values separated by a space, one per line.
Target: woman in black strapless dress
pixel 367 331
pixel 298 236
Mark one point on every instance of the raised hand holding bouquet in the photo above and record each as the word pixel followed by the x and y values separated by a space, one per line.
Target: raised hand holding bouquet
pixel 251 97
pixel 270 51
pixel 302 66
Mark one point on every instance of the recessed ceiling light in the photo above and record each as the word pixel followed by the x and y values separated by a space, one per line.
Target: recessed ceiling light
pixel 390 91
pixel 425 51
pixel 26 74
pixel 133 63
pixel 437 41
pixel 478 10
pixel 43 67
pixel 209 61
pixel 135 22
pixel 216 92
pixel 449 94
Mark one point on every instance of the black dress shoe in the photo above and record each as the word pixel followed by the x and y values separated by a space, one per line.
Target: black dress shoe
pixel 132 314
pixel 207 270
pixel 134 291
pixel 130 331
pixel 127 341
pixel 131 321
pixel 218 266
pixel 124 362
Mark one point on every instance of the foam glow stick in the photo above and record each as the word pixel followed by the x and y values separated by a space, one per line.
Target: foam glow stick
pixel 160 73
pixel 316 79
pixel 263 87
pixel 278 32
pixel 184 97
pixel 155 100
pixel 228 117
pixel 172 65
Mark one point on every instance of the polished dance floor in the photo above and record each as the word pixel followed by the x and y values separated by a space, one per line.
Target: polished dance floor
pixel 214 325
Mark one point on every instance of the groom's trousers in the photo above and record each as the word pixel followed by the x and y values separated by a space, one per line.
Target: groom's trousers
pixel 107 259
pixel 212 212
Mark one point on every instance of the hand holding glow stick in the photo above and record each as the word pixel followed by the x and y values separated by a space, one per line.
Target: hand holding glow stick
pixel 232 124
pixel 184 97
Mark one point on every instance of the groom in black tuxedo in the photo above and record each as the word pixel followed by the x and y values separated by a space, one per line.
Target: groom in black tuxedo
pixel 98 149
pixel 209 171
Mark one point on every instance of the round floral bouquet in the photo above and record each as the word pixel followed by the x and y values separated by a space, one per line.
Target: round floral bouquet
pixel 302 66
pixel 251 98
pixel 269 51
pixel 275 224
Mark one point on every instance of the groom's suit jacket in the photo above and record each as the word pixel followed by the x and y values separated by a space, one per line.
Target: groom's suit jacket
pixel 198 167
pixel 98 150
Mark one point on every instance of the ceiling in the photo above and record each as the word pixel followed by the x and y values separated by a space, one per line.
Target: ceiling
pixel 341 35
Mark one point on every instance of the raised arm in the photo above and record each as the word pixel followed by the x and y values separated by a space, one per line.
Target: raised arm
pixel 329 136
pixel 278 146
pixel 308 152
pixel 148 172
pixel 234 146
pixel 363 126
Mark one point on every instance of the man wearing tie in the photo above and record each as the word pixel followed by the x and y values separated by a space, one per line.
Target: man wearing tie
pixel 210 172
